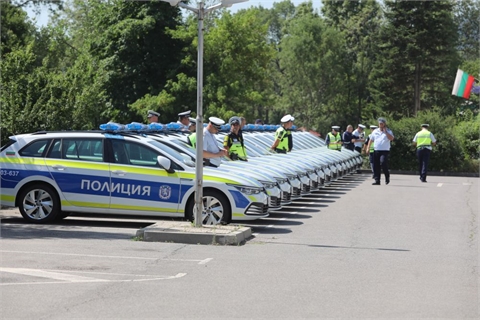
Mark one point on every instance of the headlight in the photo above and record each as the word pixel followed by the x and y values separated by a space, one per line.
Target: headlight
pixel 291 176
pixel 248 190
pixel 303 174
pixel 268 184
pixel 281 181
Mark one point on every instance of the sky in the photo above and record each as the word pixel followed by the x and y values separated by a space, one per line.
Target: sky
pixel 42 18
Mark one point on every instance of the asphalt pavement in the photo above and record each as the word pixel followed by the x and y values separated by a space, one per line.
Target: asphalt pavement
pixel 407 250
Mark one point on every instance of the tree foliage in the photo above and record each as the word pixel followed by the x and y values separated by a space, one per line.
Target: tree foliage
pixel 348 63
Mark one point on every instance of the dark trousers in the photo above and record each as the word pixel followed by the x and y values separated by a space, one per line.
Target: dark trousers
pixel 359 149
pixel 349 146
pixel 423 155
pixel 380 162
pixel 372 161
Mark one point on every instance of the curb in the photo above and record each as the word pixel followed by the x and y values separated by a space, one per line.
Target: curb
pixel 185 232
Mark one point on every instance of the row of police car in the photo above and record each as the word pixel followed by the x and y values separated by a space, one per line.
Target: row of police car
pixel 149 170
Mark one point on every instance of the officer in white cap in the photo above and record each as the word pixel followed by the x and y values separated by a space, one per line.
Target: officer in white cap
pixel 369 148
pixel 152 116
pixel 283 137
pixel 211 150
pixel 359 137
pixel 424 140
pixel 184 120
pixel 334 139
pixel 381 137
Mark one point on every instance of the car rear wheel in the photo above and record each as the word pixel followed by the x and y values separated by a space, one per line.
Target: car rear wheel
pixel 39 203
pixel 216 208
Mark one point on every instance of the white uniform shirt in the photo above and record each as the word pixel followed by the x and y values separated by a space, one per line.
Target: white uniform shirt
pixel 431 137
pixel 381 140
pixel 360 135
pixel 210 144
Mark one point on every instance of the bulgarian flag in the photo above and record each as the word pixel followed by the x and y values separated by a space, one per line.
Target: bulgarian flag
pixel 463 84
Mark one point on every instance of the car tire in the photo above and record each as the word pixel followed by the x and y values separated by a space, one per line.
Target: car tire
pixel 39 203
pixel 216 208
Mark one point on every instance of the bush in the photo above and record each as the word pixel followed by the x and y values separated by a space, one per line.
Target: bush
pixel 446 156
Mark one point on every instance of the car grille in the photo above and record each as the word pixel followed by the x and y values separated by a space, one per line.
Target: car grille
pixel 257 208
pixel 305 189
pixel 322 181
pixel 286 197
pixel 296 192
pixel 274 202
pixel 314 185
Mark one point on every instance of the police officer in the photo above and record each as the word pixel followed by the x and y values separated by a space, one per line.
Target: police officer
pixel 152 116
pixel 233 143
pixel 211 150
pixel 283 138
pixel 192 137
pixel 348 139
pixel 424 140
pixel 381 137
pixel 334 139
pixel 184 120
pixel 369 148
pixel 359 136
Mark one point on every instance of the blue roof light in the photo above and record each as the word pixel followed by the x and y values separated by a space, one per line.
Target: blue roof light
pixel 156 126
pixel 136 126
pixel 112 126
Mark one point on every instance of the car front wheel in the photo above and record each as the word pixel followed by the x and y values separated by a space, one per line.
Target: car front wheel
pixel 39 203
pixel 216 208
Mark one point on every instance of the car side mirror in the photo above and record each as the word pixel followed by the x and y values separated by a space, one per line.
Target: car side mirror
pixel 165 163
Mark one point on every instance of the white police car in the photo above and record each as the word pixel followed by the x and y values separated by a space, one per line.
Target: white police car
pixel 51 174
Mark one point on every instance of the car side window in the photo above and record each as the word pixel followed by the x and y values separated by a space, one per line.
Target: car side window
pixel 35 149
pixel 127 152
pixel 83 149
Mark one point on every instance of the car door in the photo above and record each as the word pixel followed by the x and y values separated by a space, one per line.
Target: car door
pixel 77 166
pixel 139 185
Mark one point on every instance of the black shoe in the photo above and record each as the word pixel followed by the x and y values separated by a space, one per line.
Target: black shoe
pixel 424 180
pixel 387 181
pixel 376 183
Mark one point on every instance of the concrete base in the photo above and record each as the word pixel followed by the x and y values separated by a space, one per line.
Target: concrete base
pixel 186 232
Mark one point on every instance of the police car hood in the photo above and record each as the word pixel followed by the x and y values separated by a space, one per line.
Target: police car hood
pixel 230 177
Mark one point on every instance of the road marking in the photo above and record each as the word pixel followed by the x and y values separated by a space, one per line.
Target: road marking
pixel 439 185
pixel 50 275
pixel 205 261
pixel 99 256
pixel 68 278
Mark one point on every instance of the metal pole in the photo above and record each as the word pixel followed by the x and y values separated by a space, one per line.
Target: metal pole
pixel 199 141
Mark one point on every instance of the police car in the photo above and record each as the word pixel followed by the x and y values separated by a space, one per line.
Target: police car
pixel 51 174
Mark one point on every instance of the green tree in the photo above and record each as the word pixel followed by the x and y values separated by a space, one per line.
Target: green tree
pixel 467 13
pixel 359 22
pixel 414 62
pixel 130 41
pixel 312 57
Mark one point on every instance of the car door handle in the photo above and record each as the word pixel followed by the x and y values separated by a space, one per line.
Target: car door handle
pixel 119 172
pixel 58 167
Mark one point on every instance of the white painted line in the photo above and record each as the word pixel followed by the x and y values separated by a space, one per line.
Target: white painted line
pixel 282 219
pixel 439 185
pixel 177 276
pixel 205 261
pixel 50 275
pixel 97 256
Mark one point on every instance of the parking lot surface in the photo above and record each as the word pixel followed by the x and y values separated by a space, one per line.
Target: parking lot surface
pixel 351 250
